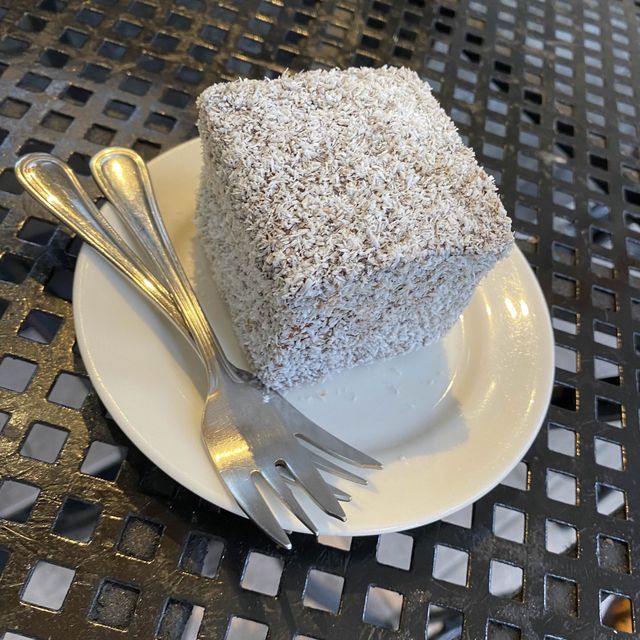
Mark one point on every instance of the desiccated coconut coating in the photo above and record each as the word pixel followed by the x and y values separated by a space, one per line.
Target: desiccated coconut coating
pixel 344 218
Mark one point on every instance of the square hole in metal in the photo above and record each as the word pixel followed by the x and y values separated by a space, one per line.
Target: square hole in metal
pixel 53 58
pixel 56 121
pixel 502 631
pixel 79 162
pixel 561 596
pixel 336 542
pixel 395 550
pixel 566 358
pixel 518 477
pixel 323 591
pixel 15 373
pixel 444 623
pixel 77 519
pixel 13 108
pixel 526 213
pixel 178 20
pixel 605 334
pixel 632 220
pixel 509 523
pixel 103 460
pixel 4 558
pixel 561 538
pixel 34 82
pixel 60 283
pixel 604 298
pixel 262 573
pixel 527 162
pixel 114 604
pixel 10 184
pixel 4 417
pixel 609 454
pixel 565 226
pixel 565 397
pixel 564 320
pixel 564 285
pixel 451 565
pixel 13 269
pixel 35 230
pixel 157 483
pixel 203 54
pixel 76 95
pixel 176 98
pixel 95 72
pixel 561 439
pixel 634 277
pixel 599 210
pixel 201 554
pixel 32 145
pixel 616 611
pixel 382 608
pixel 505 580
pixel 136 86
pixel 244 629
pixel 17 500
pixel 90 17
pixel 633 248
pixel 611 501
pixel 44 442
pixel 562 487
pixel 609 411
pixel 461 518
pixel 613 554
pixel 160 122
pixel 118 109
pixel 99 134
pixel 140 538
pixel 602 267
pixel 146 149
pixel 563 172
pixel 69 390
pixel 527 242
pixel 606 371
pixel 73 37
pixel 40 326
pixel 180 620
pixel 47 585
pixel 601 238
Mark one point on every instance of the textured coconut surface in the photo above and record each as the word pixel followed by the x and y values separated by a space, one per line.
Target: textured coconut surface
pixel 330 199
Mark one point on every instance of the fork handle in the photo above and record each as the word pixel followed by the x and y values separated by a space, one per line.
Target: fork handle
pixel 123 177
pixel 53 184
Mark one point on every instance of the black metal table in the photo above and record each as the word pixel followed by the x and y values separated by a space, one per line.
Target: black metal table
pixel 95 542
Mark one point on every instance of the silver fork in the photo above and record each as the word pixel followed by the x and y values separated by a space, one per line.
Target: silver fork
pixel 247 438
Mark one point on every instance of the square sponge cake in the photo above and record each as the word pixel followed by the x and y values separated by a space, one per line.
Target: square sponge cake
pixel 344 219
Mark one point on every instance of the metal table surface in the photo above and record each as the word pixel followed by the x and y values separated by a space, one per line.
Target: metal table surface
pixel 95 542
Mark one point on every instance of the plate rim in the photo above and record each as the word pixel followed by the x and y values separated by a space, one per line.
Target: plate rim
pixel 87 254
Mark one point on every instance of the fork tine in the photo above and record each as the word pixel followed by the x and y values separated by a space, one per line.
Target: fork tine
pixel 309 477
pixel 328 443
pixel 337 470
pixel 340 495
pixel 243 489
pixel 277 483
pixel 310 432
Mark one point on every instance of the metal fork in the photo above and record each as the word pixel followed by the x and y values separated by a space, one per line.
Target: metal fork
pixel 248 429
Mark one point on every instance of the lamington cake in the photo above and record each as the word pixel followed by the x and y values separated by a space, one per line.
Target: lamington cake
pixel 344 219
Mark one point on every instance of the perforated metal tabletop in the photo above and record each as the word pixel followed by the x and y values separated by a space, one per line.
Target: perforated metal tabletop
pixel 96 542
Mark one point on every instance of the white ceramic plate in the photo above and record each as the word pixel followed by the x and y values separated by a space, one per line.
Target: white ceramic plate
pixel 448 421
